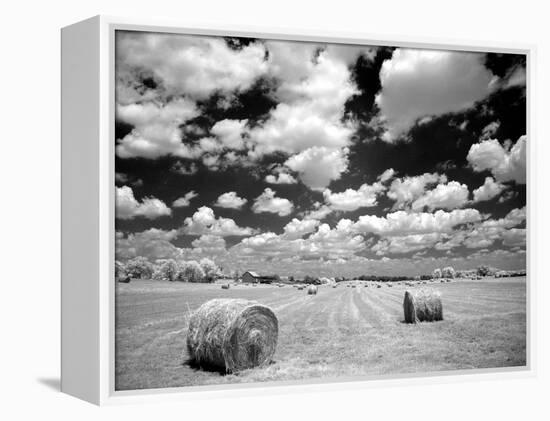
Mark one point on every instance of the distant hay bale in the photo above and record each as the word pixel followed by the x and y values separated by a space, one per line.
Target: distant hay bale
pixel 423 305
pixel 378 286
pixel 225 286
pixel 124 279
pixel 312 290
pixel 232 334
pixel 390 285
pixel 254 285
pixel 300 287
pixel 334 286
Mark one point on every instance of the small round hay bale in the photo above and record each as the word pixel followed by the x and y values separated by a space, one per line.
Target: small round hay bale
pixel 124 279
pixel 232 334
pixel 334 286
pixel 312 290
pixel 390 286
pixel 423 305
pixel 301 287
pixel 225 286
pixel 378 286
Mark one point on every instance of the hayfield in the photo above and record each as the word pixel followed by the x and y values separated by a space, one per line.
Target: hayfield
pixel 338 332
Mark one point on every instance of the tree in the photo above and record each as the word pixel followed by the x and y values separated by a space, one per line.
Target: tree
pixel 448 272
pixel 139 267
pixel 191 271
pixel 210 269
pixel 168 270
pixel 436 273
pixel 485 270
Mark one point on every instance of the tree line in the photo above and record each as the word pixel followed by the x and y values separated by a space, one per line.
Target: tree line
pixel 171 270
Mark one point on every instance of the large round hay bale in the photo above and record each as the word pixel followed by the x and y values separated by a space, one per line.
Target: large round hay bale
pixel 423 305
pixel 232 334
pixel 312 290
pixel 225 286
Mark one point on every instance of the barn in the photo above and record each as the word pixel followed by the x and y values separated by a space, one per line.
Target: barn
pixel 255 278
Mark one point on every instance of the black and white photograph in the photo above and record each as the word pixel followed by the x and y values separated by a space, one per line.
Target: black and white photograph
pixel 307 211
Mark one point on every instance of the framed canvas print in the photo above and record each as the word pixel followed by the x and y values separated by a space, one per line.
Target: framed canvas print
pixel 247 209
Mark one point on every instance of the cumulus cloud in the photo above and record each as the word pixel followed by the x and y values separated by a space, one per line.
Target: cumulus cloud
pixel 490 129
pixel 312 102
pixel 517 76
pixel 268 202
pixel 319 165
pixel 230 133
pixel 127 207
pixel 298 228
pixel 313 84
pixel 350 199
pixel 184 201
pixel 183 69
pixel 404 223
pixel 406 243
pixel 183 169
pixel 450 195
pixel 156 129
pixel 185 65
pixel 204 222
pixel 505 163
pixel 319 211
pixel 406 190
pixel 489 190
pixel 386 175
pixel 485 233
pixel 280 178
pixel 514 237
pixel 325 243
pixel 213 245
pixel 153 243
pixel 422 83
pixel 230 200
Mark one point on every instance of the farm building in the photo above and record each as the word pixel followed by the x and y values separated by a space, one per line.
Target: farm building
pixel 255 278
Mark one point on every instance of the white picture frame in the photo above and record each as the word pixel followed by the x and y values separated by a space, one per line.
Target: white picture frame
pixel 88 213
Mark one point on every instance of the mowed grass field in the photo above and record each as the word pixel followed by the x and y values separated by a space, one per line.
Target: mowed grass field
pixel 338 332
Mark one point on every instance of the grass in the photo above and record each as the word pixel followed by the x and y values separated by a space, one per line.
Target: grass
pixel 338 332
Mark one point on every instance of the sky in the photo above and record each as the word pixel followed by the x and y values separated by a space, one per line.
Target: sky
pixel 297 158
